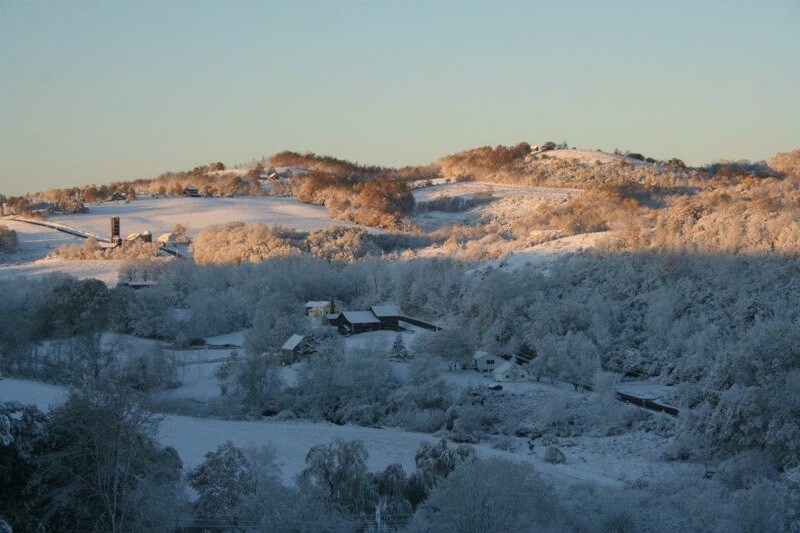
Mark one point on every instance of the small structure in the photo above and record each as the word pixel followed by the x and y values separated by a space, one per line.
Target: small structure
pixel 139 284
pixel 115 229
pixel 118 196
pixel 191 191
pixel 173 239
pixel 485 361
pixel 510 371
pixel 353 322
pixel 389 315
pixel 291 349
pixel 320 308
pixel 145 236
pixel 282 173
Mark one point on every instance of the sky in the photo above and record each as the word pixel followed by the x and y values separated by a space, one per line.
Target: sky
pixel 92 92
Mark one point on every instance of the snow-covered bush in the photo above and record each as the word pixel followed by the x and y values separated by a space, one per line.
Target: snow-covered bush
pixel 238 243
pixel 554 455
pixel 148 367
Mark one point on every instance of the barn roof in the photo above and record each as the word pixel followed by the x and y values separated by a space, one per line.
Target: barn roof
pixel 502 369
pixel 481 354
pixel 382 311
pixel 293 341
pixel 360 317
pixel 317 303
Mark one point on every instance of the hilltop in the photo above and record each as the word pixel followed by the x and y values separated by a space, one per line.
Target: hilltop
pixel 483 204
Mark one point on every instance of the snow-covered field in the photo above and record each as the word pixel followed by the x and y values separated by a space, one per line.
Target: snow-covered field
pixel 547 252
pixel 194 437
pixel 157 215
pixel 160 215
pixel 468 189
pixel 36 243
pixel 509 201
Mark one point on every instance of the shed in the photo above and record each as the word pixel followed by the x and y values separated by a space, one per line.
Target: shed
pixel 290 351
pixel 357 322
pixel 510 371
pixel 485 361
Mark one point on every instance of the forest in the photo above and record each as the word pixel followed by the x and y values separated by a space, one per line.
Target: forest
pixel 717 327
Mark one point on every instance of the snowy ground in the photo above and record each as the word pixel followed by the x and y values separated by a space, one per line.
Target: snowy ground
pixel 194 437
pixel 468 189
pixel 159 215
pixel 509 201
pixel 36 243
pixel 547 252
pixel 588 157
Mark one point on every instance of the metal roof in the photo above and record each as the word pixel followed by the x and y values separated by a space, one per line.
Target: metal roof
pixel 293 341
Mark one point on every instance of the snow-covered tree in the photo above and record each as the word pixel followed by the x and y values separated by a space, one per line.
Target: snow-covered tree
pixel 398 351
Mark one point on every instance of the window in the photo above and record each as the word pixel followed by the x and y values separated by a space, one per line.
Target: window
pixel 490 361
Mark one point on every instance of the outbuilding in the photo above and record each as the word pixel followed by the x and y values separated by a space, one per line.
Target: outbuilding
pixel 510 371
pixel 352 322
pixel 292 348
pixel 320 308
pixel 486 362
pixel 389 315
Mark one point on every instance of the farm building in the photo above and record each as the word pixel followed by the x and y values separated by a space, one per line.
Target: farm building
pixel 292 349
pixel 191 191
pixel 320 308
pixel 139 284
pixel 352 322
pixel 486 362
pixel 510 371
pixel 173 238
pixel 389 315
pixel 282 173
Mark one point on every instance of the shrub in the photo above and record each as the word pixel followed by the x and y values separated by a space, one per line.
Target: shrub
pixel 8 239
pixel 554 456
pixel 238 243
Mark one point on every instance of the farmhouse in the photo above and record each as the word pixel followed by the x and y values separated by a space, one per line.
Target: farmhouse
pixel 352 322
pixel 510 371
pixel 486 362
pixel 320 308
pixel 191 191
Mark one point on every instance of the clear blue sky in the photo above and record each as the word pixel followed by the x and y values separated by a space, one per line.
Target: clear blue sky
pixel 96 91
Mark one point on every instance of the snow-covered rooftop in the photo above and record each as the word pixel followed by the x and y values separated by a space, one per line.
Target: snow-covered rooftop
pixel 481 354
pixel 317 303
pixel 385 310
pixel 293 341
pixel 360 317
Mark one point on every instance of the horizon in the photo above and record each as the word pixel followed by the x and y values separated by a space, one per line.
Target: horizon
pixel 107 92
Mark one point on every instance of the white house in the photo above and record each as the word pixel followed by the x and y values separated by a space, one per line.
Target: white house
pixel 510 371
pixel 485 361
